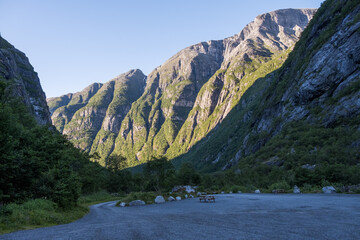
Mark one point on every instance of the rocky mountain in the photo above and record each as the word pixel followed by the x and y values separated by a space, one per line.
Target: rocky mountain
pixel 192 92
pixel 22 82
pixel 305 113
pixel 185 98
pixel 92 118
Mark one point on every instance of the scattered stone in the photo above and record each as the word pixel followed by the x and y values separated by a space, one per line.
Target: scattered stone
pixel 297 189
pixel 122 204
pixel 309 167
pixel 136 203
pixel 170 199
pixel 351 188
pixel 257 191
pixel 328 189
pixel 159 199
pixel 178 198
pixel 186 196
pixel 274 161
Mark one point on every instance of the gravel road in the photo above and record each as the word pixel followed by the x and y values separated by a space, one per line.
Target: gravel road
pixel 232 216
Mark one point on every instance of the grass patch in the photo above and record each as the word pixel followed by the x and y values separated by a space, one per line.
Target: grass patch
pixel 38 213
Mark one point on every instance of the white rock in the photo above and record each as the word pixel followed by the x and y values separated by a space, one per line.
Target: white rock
pixel 296 189
pixel 189 189
pixel 170 199
pixel 257 191
pixel 136 203
pixel 122 204
pixel 230 192
pixel 328 189
pixel 159 199
pixel 178 198
pixel 186 196
pixel 222 192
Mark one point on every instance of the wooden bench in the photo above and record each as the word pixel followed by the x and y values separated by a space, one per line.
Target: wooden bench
pixel 211 198
pixel 207 198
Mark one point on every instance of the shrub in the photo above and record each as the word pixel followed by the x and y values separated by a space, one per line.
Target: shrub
pixel 280 185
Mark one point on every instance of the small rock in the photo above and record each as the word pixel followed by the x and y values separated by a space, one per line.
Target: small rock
pixel 136 203
pixel 296 189
pixel 222 192
pixel 170 199
pixel 257 191
pixel 328 189
pixel 122 204
pixel 178 198
pixel 186 196
pixel 191 196
pixel 309 167
pixel 159 199
pixel 239 191
pixel 230 192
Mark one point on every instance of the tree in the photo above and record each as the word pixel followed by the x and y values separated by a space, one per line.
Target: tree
pixel 115 162
pixel 187 175
pixel 160 173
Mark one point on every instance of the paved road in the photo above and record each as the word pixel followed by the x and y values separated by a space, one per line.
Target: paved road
pixel 233 216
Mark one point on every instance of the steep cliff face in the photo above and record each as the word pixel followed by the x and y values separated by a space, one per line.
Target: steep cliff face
pixel 260 48
pixel 194 91
pixel 91 118
pixel 316 92
pixel 22 81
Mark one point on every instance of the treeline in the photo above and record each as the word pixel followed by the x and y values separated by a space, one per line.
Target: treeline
pixel 38 162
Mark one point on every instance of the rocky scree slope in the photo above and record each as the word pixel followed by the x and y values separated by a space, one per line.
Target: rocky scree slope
pixel 306 112
pixel 91 118
pixel 22 82
pixel 190 94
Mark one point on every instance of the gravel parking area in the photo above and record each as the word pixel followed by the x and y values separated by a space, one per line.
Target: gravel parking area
pixel 232 216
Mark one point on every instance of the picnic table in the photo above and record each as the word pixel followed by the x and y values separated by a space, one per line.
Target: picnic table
pixel 207 198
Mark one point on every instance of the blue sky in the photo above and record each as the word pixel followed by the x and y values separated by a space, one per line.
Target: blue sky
pixel 73 43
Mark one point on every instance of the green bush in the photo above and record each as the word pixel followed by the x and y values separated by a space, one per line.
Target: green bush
pixel 280 185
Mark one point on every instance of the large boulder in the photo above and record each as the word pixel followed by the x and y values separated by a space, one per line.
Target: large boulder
pixel 178 198
pixel 122 204
pixel 136 203
pixel 296 189
pixel 257 191
pixel 328 189
pixel 170 199
pixel 159 199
